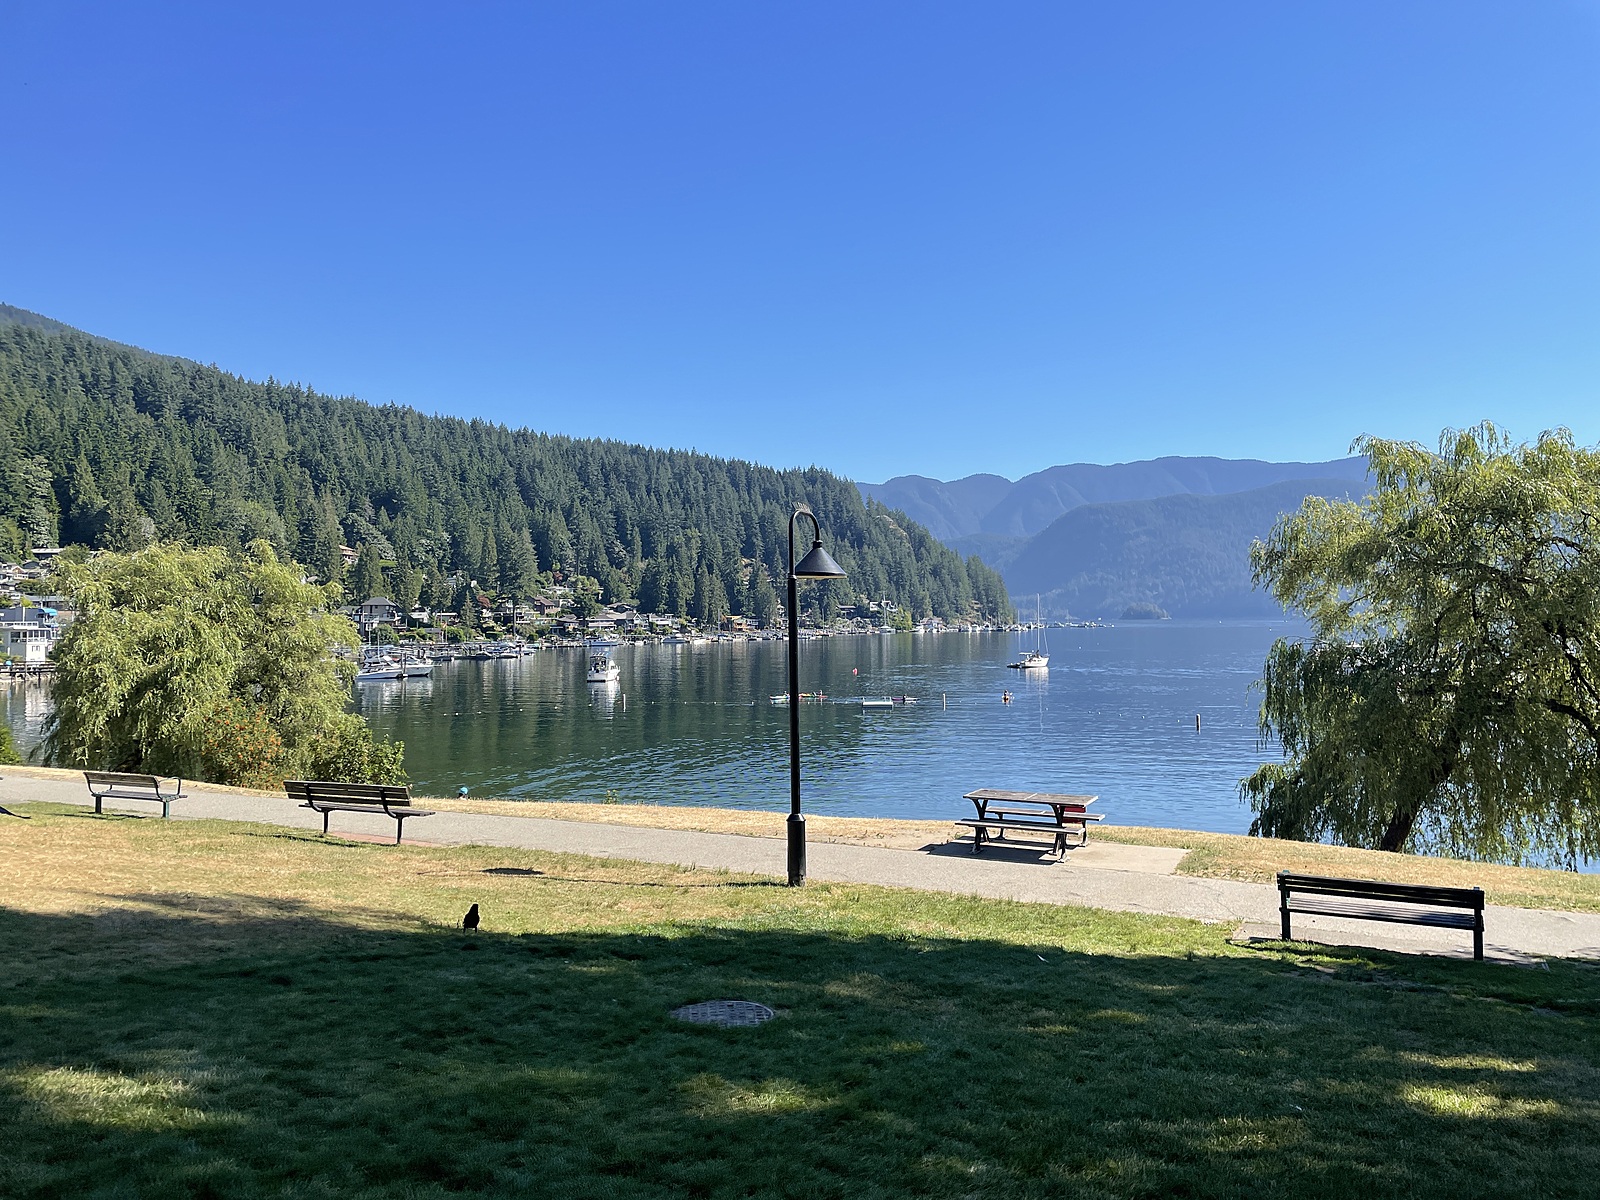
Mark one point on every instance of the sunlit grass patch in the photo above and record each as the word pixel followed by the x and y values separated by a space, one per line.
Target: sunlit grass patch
pixel 1476 1102
pixel 89 1096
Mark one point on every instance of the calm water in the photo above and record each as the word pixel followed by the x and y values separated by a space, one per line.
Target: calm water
pixel 1115 715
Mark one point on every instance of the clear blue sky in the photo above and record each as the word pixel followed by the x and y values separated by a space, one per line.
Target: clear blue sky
pixel 885 238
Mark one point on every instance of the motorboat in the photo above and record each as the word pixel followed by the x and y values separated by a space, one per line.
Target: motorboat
pixel 602 668
pixel 380 673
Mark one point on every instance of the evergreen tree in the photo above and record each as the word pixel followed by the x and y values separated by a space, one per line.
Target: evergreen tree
pixel 366 578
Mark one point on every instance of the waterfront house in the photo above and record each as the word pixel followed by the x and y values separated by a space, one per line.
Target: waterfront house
pixel 29 632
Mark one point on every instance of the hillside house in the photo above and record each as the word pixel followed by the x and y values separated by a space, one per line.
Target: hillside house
pixel 371 613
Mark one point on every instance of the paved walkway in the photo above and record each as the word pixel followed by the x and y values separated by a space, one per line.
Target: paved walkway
pixel 1123 882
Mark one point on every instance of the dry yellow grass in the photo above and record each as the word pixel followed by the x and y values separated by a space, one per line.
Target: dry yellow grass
pixel 1211 855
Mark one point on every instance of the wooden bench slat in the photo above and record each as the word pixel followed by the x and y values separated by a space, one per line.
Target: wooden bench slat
pixel 1416 893
pixel 1396 915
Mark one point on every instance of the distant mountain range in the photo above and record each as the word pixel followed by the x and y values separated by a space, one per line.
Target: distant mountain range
pixel 1092 540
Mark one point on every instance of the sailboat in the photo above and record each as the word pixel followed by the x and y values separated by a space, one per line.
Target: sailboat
pixel 1037 659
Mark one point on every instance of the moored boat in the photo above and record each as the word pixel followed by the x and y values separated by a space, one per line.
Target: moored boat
pixel 602 668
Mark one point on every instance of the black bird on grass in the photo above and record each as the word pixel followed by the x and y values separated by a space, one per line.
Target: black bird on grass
pixel 470 921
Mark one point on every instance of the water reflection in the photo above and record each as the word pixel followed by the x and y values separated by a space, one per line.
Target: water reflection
pixel 1114 714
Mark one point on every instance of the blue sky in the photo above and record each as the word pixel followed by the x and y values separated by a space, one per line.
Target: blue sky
pixel 884 238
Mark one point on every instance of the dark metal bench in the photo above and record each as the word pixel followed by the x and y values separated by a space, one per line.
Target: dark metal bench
pixel 1000 812
pixel 120 785
pixel 325 797
pixel 1370 900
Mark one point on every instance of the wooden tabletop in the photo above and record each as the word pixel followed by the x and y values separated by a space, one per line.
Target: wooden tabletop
pixel 985 795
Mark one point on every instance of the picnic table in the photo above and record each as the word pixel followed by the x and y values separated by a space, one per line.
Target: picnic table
pixel 999 810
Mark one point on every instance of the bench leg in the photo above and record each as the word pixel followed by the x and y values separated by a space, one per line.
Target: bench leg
pixel 166 809
pixel 1283 917
pixel 326 813
pixel 1477 938
pixel 98 800
pixel 399 825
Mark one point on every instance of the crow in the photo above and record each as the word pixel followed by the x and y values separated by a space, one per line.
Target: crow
pixel 470 921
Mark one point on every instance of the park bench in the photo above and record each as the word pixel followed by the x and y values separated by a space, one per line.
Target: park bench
pixel 325 797
pixel 119 785
pixel 1001 812
pixel 1369 900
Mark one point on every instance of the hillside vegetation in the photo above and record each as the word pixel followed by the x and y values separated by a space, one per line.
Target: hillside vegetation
pixel 111 447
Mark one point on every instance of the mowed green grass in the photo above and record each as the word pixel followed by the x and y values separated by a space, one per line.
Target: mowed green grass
pixel 214 1009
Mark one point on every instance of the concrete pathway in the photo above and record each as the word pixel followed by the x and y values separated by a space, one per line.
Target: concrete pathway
pixel 1123 879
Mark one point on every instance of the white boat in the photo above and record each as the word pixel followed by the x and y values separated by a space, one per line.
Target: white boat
pixel 601 667
pixel 380 674
pixel 883 703
pixel 1038 658
pixel 416 668
pixel 675 639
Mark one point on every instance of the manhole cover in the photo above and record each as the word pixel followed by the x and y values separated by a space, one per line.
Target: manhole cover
pixel 724 1012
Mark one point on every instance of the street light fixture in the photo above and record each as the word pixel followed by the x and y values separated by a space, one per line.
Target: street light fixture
pixel 817 564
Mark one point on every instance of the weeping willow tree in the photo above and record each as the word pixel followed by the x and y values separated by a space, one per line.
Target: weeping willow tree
pixel 1448 698
pixel 208 664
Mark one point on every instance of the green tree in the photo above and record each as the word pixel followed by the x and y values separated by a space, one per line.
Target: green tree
pixel 1448 697
pixel 366 577
pixel 585 597
pixel 208 664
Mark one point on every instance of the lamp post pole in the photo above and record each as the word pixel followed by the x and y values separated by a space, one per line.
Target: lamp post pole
pixel 816 565
pixel 796 825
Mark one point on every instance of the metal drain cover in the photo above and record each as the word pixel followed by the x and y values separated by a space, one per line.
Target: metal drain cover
pixel 724 1012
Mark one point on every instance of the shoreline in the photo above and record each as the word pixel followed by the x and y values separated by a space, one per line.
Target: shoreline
pixel 1226 856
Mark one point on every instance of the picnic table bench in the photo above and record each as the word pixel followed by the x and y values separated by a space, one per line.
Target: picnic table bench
pixel 1000 811
pixel 326 797
pixel 1370 900
pixel 121 785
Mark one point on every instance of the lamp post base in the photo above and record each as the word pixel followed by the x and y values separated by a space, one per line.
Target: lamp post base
pixel 797 849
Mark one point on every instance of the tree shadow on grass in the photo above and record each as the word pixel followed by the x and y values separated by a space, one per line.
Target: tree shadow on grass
pixel 385 1062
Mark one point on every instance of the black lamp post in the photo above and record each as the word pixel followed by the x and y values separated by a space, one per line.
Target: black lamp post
pixel 817 564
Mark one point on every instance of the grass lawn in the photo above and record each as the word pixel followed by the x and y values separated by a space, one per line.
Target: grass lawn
pixel 218 1009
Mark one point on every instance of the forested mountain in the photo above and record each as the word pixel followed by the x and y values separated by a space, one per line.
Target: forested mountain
pixel 989 504
pixel 1187 554
pixel 108 446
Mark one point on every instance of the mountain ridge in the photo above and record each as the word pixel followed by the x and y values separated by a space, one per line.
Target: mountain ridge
pixel 990 504
pixel 1188 554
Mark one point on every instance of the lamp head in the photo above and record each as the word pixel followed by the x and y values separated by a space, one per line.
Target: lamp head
pixel 818 564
